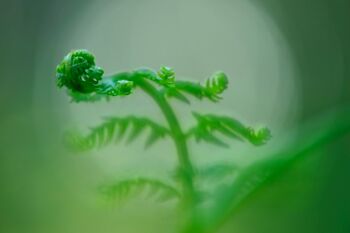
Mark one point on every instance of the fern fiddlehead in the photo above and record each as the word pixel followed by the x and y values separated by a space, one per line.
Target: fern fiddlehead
pixel 83 79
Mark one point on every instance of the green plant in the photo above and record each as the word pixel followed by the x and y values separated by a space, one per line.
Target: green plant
pixel 85 83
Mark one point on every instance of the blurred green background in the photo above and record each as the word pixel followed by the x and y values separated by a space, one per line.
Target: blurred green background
pixel 288 62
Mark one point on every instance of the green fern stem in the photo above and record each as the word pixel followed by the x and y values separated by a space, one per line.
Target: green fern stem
pixel 185 168
pixel 179 138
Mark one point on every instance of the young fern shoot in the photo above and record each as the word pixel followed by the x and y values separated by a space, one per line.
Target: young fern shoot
pixel 85 82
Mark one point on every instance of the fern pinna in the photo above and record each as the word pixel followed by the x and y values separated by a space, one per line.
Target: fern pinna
pixel 85 82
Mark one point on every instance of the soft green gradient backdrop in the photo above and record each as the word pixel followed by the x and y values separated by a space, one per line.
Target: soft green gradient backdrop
pixel 288 62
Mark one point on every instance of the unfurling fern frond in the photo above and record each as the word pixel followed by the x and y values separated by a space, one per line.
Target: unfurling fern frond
pixel 84 80
pixel 208 124
pixel 212 89
pixel 217 83
pixel 112 87
pixel 125 189
pixel 115 128
pixel 164 77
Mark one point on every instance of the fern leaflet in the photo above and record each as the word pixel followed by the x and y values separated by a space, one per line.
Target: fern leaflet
pixel 115 129
pixel 208 124
pixel 125 189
